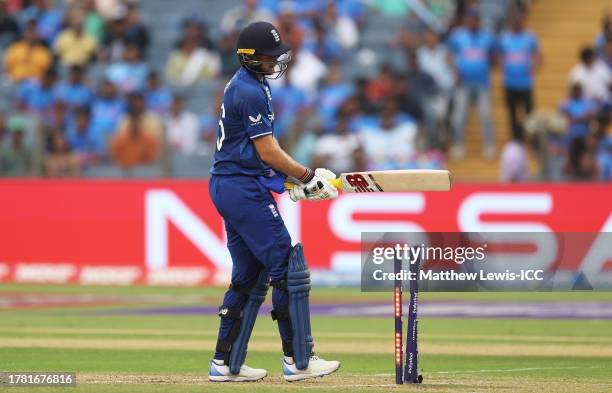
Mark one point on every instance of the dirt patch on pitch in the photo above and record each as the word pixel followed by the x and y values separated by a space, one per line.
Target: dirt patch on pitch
pixel 350 383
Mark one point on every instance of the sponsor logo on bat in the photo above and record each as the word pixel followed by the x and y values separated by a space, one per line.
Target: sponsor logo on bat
pixel 359 183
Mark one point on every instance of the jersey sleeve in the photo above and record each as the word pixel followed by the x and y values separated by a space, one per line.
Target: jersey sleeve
pixel 254 112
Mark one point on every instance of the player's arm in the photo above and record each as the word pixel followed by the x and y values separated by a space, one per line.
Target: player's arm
pixel 316 185
pixel 272 154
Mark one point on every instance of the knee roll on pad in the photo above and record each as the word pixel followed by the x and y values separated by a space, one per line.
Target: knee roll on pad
pixel 249 315
pixel 298 286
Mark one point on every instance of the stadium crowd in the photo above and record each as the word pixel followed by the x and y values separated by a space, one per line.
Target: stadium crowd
pixel 85 95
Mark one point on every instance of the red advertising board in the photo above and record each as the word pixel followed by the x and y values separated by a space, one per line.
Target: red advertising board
pixel 168 232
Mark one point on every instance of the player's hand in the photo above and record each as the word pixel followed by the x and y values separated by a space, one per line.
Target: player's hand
pixel 317 189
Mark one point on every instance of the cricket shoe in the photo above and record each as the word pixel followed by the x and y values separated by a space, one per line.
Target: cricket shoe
pixel 316 368
pixel 219 372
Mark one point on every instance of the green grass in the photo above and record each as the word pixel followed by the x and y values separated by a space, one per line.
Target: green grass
pixel 444 372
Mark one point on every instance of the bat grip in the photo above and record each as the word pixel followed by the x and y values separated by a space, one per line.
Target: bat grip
pixel 334 182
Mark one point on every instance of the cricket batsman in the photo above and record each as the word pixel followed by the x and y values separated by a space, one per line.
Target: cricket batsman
pixel 249 164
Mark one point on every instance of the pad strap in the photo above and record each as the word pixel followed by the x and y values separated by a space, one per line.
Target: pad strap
pixel 225 346
pixel 288 348
pixel 249 315
pixel 279 314
pixel 280 284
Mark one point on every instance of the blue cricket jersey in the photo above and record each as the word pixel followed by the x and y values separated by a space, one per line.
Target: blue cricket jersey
pixel 518 51
pixel 472 51
pixel 246 114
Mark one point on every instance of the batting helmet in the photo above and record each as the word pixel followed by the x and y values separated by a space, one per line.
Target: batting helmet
pixel 262 39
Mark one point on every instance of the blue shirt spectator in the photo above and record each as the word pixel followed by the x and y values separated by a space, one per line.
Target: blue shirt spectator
pixel 38 97
pixel 604 156
pixel 289 102
pixel 518 51
pixel 130 74
pixel 472 49
pixel 81 137
pixel 49 19
pixel 107 110
pixel 579 111
pixel 75 92
pixel 333 95
pixel 158 97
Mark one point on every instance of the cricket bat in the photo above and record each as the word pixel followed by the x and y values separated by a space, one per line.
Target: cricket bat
pixel 392 181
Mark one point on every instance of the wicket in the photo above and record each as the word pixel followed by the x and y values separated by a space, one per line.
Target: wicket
pixel 411 372
pixel 397 293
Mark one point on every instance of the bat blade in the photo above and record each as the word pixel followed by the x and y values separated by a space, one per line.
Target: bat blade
pixel 404 180
pixel 396 181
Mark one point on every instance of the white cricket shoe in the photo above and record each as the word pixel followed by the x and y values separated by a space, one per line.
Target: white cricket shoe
pixel 219 372
pixel 316 368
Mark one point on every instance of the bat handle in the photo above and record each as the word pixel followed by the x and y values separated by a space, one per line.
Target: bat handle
pixel 335 182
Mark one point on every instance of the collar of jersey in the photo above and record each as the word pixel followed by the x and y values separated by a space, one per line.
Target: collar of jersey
pixel 246 75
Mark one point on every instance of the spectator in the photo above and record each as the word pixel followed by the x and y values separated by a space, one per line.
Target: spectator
pixel 390 145
pixel 189 64
pixel 604 149
pixel 581 163
pixel 93 24
pixel 49 19
pixel 520 56
pixel 195 28
pixel 306 136
pixel 408 100
pixel 107 110
pixel 323 43
pixel 341 26
pixel 75 92
pixel 27 58
pixel 422 88
pixel 115 42
pixel 9 29
pixel 61 161
pixel 73 45
pixel 3 131
pixel 209 122
pixel 38 97
pixel 158 97
pixel 130 74
pixel 82 140
pixel 57 122
pixel 110 9
pixel 337 151
pixel 135 32
pixel 592 74
pixel 135 146
pixel 383 85
pixel 434 58
pixel 182 128
pixel 472 49
pixel 148 121
pixel 305 73
pixel 290 106
pixel 332 95
pixel 361 97
pixel 513 159
pixel 240 16
pixel 16 158
pixel 606 53
pixel 579 111
pixel 606 33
